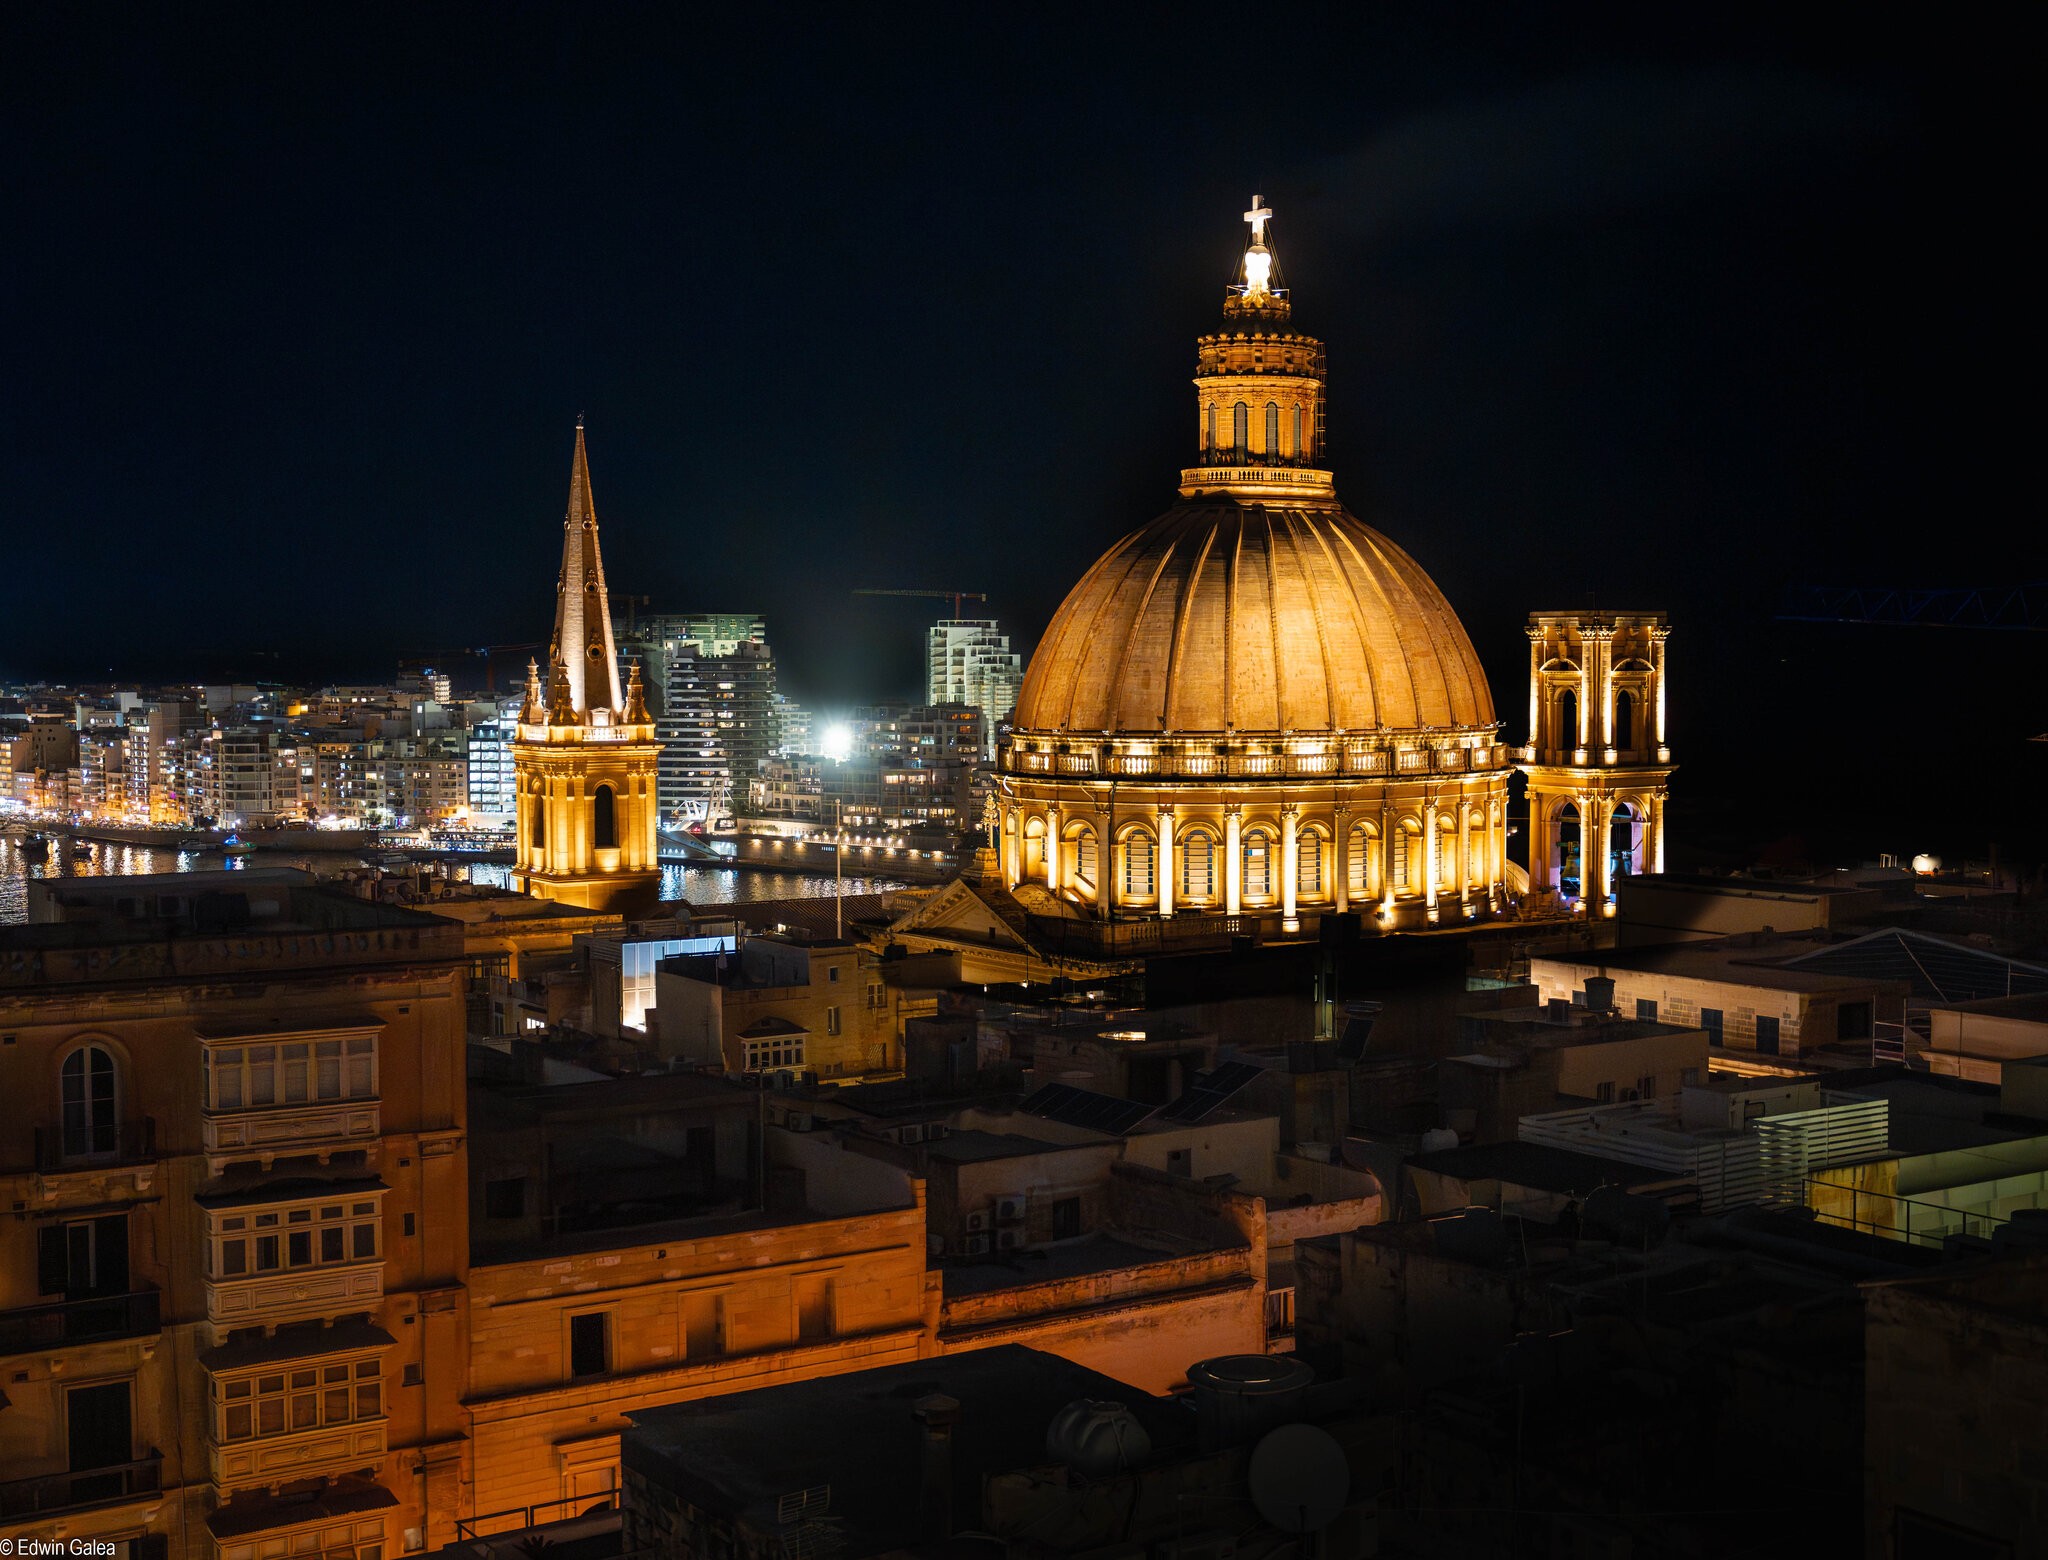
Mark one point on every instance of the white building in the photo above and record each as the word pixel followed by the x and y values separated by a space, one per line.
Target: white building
pixel 971 663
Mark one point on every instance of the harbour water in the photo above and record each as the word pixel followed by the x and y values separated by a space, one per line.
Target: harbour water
pixel 91 858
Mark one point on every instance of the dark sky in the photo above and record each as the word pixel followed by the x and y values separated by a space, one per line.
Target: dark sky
pixel 305 301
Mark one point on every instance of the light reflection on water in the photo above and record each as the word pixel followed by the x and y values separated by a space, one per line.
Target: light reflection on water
pixel 92 858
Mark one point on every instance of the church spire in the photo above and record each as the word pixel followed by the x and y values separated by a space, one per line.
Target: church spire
pixel 582 651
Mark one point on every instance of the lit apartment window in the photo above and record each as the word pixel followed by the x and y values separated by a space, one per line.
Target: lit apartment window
pixel 339 1392
pixel 299 1072
pixel 275 1240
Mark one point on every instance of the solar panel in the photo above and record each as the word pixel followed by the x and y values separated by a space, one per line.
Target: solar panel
pixel 1210 1090
pixel 1073 1107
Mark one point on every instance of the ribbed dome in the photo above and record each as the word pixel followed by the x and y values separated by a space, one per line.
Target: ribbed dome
pixel 1227 616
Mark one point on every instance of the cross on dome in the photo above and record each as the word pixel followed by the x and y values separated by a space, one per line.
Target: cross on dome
pixel 1258 217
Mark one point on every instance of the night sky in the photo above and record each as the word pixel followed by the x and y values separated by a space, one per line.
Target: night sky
pixel 1671 310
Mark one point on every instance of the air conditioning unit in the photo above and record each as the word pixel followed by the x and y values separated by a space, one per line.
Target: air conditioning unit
pixel 974 1246
pixel 912 1134
pixel 935 1244
pixel 978 1220
pixel 800 1121
pixel 1009 1240
pixel 1009 1210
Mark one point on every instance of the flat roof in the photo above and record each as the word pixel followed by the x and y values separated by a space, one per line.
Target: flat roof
pixel 738 1455
pixel 1538 1166
pixel 1744 960
pixel 975 1145
pixel 1080 1258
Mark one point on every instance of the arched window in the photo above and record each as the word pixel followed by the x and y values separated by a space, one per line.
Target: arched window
pixel 538 823
pixel 1198 865
pixel 1363 868
pixel 1308 864
pixel 1141 865
pixel 1084 857
pixel 1298 452
pixel 1258 864
pixel 1272 428
pixel 1240 427
pixel 604 819
pixel 1209 431
pixel 1408 859
pixel 91 1111
pixel 1568 719
pixel 1624 719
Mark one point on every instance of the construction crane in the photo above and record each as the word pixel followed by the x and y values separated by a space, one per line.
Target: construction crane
pixel 955 596
pixel 2022 607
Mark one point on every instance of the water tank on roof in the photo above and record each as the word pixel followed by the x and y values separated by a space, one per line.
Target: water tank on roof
pixel 1096 1438
pixel 1239 1396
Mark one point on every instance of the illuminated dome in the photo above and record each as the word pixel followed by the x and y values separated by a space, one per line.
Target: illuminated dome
pixel 1223 616
pixel 1255 710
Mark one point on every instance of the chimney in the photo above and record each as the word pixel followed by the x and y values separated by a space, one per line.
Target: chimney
pixel 938 1414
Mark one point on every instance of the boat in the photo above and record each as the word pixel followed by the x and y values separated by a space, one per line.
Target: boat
pixel 34 848
pixel 235 845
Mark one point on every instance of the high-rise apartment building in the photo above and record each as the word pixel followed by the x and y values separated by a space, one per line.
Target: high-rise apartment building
pixel 489 776
pixel 719 716
pixel 971 663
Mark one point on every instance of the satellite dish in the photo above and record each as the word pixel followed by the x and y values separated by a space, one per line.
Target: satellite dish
pixel 1300 1478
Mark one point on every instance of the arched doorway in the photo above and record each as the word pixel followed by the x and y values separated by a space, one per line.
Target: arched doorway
pixel 1625 838
pixel 1570 859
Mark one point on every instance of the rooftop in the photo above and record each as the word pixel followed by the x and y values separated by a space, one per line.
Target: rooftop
pixel 1079 1258
pixel 158 927
pixel 739 1455
pixel 1538 1166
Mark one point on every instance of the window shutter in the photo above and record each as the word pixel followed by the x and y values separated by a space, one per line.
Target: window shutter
pixel 110 1254
pixel 52 1268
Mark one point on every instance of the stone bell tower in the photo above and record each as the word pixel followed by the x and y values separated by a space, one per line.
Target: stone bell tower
pixel 1598 760
pixel 585 757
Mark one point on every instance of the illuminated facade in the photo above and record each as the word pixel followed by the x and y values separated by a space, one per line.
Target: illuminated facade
pixel 1255 704
pixel 586 755
pixel 1597 760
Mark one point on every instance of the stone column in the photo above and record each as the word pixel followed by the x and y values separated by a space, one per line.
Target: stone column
pixel 1388 887
pixel 1657 663
pixel 1105 867
pixel 1052 847
pixel 1540 869
pixel 1341 840
pixel 1535 688
pixel 1164 861
pixel 1655 823
pixel 1233 860
pixel 1429 853
pixel 1465 851
pixel 1290 856
pixel 1606 690
pixel 1594 879
pixel 1007 843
